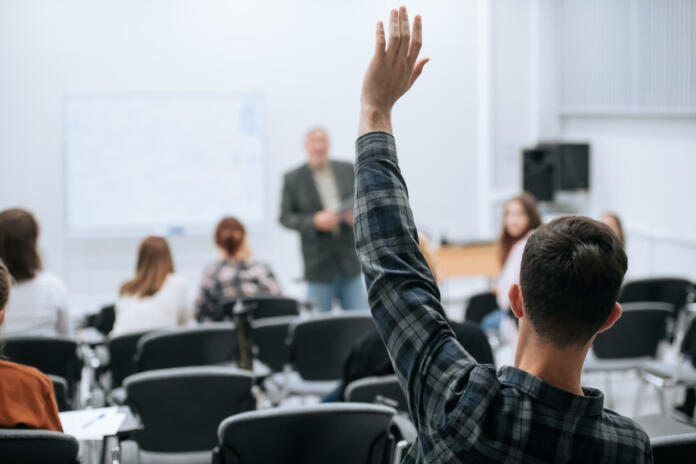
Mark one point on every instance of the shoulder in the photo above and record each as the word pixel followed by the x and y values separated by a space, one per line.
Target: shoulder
pixel 28 375
pixel 627 432
pixel 342 165
pixel 293 173
pixel 175 280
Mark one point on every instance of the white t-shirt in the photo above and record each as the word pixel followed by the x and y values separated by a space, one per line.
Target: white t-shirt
pixel 38 307
pixel 166 308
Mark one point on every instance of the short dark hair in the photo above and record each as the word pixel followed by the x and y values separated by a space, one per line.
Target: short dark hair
pixel 19 233
pixel 572 270
pixel 229 235
pixel 4 285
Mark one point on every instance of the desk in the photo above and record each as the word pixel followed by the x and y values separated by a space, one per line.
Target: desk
pixel 475 260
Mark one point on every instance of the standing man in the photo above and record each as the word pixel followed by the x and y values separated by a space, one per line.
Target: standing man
pixel 318 203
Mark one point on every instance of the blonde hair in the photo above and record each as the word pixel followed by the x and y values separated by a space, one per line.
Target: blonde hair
pixel 154 265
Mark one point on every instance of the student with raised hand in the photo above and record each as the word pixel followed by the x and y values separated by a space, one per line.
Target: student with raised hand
pixel 155 297
pixel 27 399
pixel 39 302
pixel 571 272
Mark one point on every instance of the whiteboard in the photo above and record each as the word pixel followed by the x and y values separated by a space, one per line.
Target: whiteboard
pixel 137 165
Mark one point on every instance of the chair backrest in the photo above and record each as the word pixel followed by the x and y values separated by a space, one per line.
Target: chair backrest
pixel 60 388
pixel 270 339
pixel 263 307
pixel 636 334
pixel 37 447
pixel 384 390
pixel 51 355
pixel 320 344
pixel 336 433
pixel 676 291
pixel 122 356
pixel 208 344
pixel 479 305
pixel 181 408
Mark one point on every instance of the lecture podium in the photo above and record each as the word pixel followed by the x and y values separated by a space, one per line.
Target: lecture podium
pixel 471 259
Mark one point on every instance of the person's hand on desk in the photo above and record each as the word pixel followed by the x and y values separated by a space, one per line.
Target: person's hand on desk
pixel 392 71
pixel 326 221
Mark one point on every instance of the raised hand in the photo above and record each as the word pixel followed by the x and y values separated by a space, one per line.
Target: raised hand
pixel 393 70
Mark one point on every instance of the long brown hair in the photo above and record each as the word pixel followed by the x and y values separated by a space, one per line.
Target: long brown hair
pixel 154 265
pixel 229 235
pixel 19 233
pixel 507 241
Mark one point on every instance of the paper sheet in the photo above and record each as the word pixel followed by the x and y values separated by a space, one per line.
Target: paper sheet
pixel 92 424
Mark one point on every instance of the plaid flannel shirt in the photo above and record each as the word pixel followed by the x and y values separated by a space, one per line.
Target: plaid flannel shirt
pixel 464 411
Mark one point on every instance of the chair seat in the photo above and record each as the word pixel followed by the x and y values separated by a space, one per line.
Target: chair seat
pixel 657 426
pixel 600 365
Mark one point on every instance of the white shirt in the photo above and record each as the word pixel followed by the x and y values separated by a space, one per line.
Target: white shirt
pixel 166 308
pixel 511 272
pixel 38 307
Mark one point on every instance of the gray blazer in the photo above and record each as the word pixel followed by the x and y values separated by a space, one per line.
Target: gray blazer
pixel 325 254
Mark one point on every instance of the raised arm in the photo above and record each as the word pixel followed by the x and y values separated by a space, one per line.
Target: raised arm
pixel 404 298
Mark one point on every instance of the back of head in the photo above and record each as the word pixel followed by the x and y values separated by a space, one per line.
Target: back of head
pixel 572 270
pixel 19 233
pixel 155 263
pixel 229 235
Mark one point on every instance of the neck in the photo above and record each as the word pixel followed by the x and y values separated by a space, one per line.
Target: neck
pixel 560 367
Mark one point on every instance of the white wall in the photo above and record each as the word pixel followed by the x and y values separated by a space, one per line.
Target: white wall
pixel 306 57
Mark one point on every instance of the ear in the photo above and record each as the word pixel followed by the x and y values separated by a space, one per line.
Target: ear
pixel 2 315
pixel 516 301
pixel 614 316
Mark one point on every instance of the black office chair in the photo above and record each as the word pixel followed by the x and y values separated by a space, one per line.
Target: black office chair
pixel 675 291
pixel 181 409
pixel 631 343
pixel 60 388
pixel 263 307
pixel 319 345
pixel 51 355
pixel 37 447
pixel 636 335
pixel 213 343
pixel 671 440
pixel 479 305
pixel 381 390
pixel 335 433
pixel 122 351
pixel 103 320
pixel 270 339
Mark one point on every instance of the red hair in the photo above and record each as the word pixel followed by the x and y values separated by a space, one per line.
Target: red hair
pixel 229 235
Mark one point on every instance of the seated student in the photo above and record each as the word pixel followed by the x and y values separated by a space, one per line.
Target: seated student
pixel 520 218
pixel 27 399
pixel 39 302
pixel 368 357
pixel 571 272
pixel 156 297
pixel 236 275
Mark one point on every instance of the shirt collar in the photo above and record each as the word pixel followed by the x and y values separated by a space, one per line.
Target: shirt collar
pixel 592 404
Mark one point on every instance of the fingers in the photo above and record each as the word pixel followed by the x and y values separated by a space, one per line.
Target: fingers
pixel 381 42
pixel 416 41
pixel 417 70
pixel 404 32
pixel 393 47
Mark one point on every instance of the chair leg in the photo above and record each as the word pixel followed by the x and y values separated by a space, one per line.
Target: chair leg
pixel 610 394
pixel 639 392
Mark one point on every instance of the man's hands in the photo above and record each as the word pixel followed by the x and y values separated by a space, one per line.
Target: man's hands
pixel 391 72
pixel 326 221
